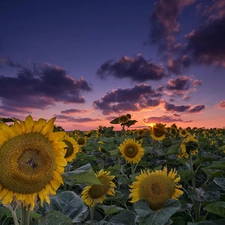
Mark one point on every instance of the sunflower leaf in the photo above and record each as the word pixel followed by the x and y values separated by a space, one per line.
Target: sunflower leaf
pixel 69 204
pixel 160 217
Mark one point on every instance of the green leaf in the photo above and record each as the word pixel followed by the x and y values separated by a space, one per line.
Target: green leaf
pixel 124 218
pixel 115 121
pixel 69 204
pixel 217 208
pixel 55 217
pixel 82 175
pixel 110 209
pixel 173 149
pixel 160 217
pixel 220 182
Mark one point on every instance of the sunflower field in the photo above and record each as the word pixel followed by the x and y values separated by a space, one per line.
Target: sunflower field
pixel 158 175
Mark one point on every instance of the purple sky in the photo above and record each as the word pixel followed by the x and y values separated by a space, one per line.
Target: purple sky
pixel 87 62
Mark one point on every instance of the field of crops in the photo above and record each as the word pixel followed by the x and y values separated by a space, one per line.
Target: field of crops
pixel 157 175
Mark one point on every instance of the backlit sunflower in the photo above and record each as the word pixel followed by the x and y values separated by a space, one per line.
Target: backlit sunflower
pixel 123 119
pixel 96 193
pixel 72 148
pixel 31 161
pixel 131 151
pixel 188 146
pixel 158 131
pixel 156 187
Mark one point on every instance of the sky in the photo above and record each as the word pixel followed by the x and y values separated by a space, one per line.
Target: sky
pixel 88 62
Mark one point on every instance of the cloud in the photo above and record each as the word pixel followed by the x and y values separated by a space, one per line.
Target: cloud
pixel 211 51
pixel 173 108
pixel 139 97
pixel 76 120
pixel 197 108
pixel 73 111
pixel 182 85
pixel 39 86
pixel 137 69
pixel 164 21
pixel 10 63
pixel 162 119
pixel 222 104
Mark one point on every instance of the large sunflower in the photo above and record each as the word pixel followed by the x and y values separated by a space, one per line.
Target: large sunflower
pixel 131 151
pixel 96 193
pixel 158 131
pixel 123 119
pixel 31 161
pixel 155 187
pixel 72 148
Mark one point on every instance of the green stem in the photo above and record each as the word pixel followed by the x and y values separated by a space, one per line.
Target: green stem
pixel 197 204
pixel 92 210
pixel 25 216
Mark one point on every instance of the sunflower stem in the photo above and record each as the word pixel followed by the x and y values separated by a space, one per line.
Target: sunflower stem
pixel 92 210
pixel 196 203
pixel 25 216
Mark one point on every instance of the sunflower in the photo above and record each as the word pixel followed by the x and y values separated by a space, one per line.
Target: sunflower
pixel 173 131
pixel 131 151
pixel 158 131
pixel 96 193
pixel 72 148
pixel 156 187
pixel 183 132
pixel 31 161
pixel 81 141
pixel 123 119
pixel 188 146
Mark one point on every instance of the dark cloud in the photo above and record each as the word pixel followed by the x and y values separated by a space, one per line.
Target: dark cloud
pixel 73 111
pixel 206 44
pixel 173 108
pixel 10 63
pixel 197 109
pixel 222 104
pixel 162 119
pixel 131 99
pixel 164 21
pixel 40 86
pixel 178 66
pixel 137 69
pixel 76 120
pixel 182 85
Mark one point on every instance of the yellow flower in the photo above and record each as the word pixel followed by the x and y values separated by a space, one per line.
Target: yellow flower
pixel 31 161
pixel 183 132
pixel 188 146
pixel 72 148
pixel 96 193
pixel 131 151
pixel 158 131
pixel 156 187
pixel 81 141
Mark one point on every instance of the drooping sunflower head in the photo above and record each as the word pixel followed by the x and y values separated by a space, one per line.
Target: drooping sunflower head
pixel 31 161
pixel 96 193
pixel 173 131
pixel 158 131
pixel 156 187
pixel 131 151
pixel 123 119
pixel 72 148
pixel 188 146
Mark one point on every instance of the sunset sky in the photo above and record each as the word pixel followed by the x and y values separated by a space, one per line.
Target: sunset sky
pixel 87 62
